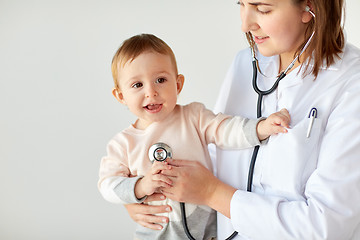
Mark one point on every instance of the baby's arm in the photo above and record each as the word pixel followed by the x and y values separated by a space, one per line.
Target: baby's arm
pixel 275 123
pixel 152 180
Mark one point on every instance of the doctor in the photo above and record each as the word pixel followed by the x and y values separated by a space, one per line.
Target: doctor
pixel 306 183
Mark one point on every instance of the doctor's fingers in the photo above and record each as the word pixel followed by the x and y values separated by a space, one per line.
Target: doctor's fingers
pixel 151 225
pixel 154 197
pixel 144 214
pixel 182 163
pixel 184 169
pixel 174 172
pixel 162 180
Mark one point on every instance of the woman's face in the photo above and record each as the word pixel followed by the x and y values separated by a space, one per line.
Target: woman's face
pixel 278 26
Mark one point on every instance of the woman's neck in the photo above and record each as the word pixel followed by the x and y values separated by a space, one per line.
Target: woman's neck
pixel 285 61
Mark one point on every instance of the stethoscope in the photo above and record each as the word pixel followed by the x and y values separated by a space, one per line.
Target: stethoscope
pixel 162 152
pixel 262 93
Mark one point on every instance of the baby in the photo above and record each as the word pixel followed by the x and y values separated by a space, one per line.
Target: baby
pixel 147 81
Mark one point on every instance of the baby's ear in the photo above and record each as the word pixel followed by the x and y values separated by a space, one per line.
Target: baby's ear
pixel 180 83
pixel 118 95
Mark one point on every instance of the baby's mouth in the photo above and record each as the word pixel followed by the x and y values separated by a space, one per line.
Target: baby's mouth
pixel 153 107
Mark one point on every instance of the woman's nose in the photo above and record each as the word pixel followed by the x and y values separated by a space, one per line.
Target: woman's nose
pixel 248 20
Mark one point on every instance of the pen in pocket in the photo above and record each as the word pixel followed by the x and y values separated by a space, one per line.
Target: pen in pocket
pixel 312 116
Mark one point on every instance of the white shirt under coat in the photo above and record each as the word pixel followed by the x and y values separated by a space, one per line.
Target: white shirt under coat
pixel 303 188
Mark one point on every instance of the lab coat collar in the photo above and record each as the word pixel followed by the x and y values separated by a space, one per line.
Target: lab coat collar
pixel 273 62
pixel 270 65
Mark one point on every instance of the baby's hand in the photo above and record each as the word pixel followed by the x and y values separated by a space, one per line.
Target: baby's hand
pixel 275 123
pixel 152 180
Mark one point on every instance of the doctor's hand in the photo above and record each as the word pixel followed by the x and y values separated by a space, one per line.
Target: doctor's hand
pixel 194 183
pixel 276 123
pixel 143 214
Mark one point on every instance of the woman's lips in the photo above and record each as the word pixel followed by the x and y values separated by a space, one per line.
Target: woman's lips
pixel 259 40
pixel 153 108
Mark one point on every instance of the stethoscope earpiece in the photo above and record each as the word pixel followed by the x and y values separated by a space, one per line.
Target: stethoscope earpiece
pixel 308 9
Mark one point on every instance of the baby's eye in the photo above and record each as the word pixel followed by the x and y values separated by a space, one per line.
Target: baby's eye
pixel 160 80
pixel 137 85
pixel 239 3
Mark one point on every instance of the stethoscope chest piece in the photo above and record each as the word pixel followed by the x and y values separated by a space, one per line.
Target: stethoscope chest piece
pixel 159 152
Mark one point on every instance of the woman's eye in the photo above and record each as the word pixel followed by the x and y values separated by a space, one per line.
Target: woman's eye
pixel 160 80
pixel 137 85
pixel 263 11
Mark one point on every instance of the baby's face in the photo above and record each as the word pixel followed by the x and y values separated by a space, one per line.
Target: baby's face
pixel 149 87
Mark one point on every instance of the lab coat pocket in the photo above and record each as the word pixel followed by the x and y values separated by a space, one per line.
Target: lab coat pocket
pixel 289 159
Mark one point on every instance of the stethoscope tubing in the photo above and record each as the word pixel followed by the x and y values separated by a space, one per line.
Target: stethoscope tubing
pixel 256 148
pixel 259 115
pixel 184 221
pixel 260 93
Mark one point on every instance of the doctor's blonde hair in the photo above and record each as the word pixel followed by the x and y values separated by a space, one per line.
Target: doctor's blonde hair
pixel 328 41
pixel 136 45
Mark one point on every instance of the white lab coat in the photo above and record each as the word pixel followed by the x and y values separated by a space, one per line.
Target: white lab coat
pixel 303 188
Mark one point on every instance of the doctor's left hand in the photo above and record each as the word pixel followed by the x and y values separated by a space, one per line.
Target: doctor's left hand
pixel 194 183
pixel 144 214
pixel 188 178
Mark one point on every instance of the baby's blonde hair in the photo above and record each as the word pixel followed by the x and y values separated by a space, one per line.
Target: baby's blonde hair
pixel 136 45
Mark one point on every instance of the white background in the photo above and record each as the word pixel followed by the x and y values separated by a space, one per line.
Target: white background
pixel 56 108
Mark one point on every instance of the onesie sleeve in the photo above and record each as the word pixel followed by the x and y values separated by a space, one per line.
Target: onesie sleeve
pixel 115 183
pixel 227 132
